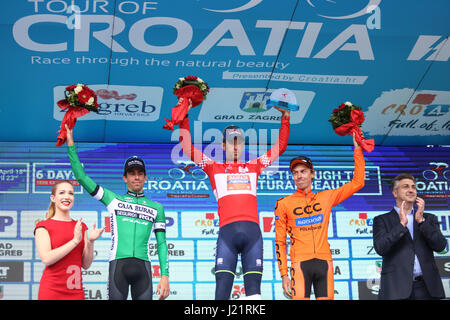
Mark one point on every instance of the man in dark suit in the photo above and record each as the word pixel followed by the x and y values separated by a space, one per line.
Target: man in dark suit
pixel 406 238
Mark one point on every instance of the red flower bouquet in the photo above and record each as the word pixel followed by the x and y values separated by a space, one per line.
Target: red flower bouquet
pixel 79 100
pixel 346 120
pixel 189 87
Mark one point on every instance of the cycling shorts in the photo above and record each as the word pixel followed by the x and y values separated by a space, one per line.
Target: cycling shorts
pixel 130 272
pixel 315 272
pixel 240 237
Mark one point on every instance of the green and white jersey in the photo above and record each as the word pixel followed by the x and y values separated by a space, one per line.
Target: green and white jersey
pixel 133 217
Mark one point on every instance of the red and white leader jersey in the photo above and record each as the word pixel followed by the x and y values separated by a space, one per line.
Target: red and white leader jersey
pixel 235 183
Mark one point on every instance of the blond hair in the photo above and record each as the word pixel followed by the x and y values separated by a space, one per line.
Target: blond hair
pixel 51 207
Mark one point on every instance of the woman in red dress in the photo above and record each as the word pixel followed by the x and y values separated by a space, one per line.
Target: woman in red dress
pixel 64 247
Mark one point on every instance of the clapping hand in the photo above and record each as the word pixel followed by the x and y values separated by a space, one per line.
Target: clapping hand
pixel 94 234
pixel 420 209
pixel 77 232
pixel 402 214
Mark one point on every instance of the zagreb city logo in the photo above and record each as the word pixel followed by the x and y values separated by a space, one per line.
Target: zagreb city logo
pixel 255 102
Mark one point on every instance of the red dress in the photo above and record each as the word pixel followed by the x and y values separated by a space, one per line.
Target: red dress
pixel 62 280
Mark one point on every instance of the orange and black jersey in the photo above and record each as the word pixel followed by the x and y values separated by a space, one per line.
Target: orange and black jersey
pixel 305 217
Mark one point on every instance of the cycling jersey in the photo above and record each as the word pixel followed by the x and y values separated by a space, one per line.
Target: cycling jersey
pixel 305 217
pixel 133 216
pixel 234 183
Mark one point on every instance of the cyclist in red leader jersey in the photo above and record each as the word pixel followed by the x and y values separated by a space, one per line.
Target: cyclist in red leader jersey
pixel 234 184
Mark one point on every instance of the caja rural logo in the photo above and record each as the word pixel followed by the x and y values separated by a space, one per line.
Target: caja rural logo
pixel 107 223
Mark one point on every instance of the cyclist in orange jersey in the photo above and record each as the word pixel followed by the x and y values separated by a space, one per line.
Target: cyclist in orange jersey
pixel 304 216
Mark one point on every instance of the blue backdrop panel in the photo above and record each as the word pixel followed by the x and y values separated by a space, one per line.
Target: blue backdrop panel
pixel 28 170
pixel 389 57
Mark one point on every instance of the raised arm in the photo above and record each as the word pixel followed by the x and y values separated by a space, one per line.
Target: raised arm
pixel 77 168
pixel 188 148
pixel 280 145
pixel 357 183
pixel 96 191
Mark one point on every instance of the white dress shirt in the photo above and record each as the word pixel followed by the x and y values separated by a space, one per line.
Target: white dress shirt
pixel 417 271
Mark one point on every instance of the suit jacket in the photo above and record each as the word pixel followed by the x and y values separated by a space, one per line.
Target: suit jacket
pixel 394 243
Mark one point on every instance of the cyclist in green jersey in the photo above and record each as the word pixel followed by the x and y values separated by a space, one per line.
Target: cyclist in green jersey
pixel 133 217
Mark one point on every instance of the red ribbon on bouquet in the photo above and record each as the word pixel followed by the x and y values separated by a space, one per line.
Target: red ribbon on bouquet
pixel 189 87
pixel 80 100
pixel 181 109
pixel 70 118
pixel 356 119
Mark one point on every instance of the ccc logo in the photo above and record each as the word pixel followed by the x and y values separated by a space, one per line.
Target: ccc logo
pixel 309 209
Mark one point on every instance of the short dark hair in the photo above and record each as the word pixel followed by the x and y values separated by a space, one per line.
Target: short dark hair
pixel 401 176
